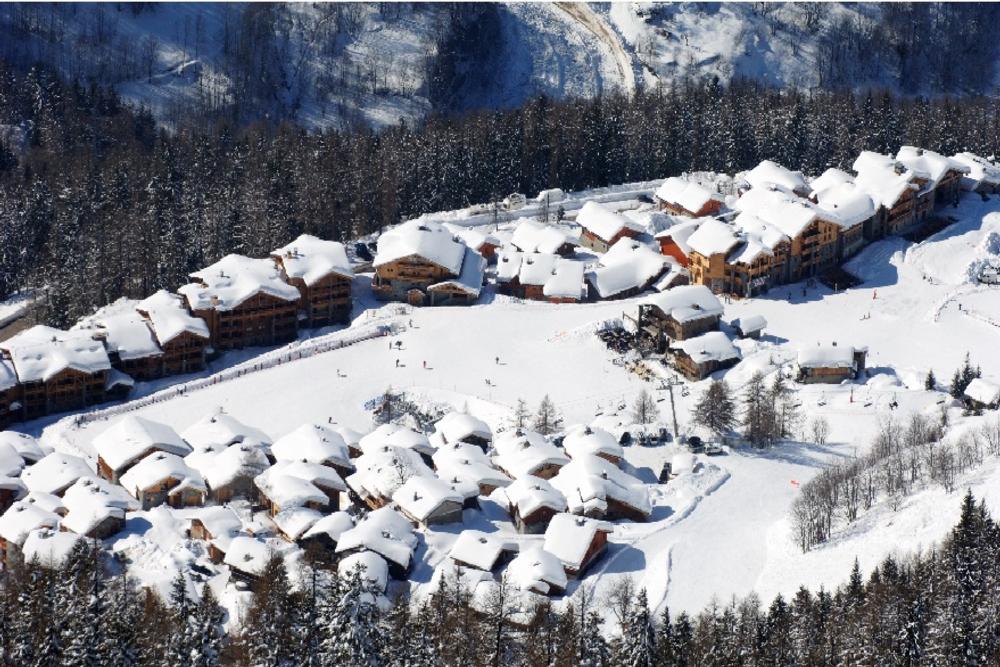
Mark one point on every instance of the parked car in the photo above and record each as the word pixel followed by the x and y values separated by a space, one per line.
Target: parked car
pixel 714 449
pixel 695 444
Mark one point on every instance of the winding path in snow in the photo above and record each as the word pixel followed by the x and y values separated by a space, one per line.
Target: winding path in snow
pixel 593 23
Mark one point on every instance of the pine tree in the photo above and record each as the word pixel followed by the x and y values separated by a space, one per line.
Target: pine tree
pixel 644 410
pixel 716 409
pixel 758 415
pixel 930 382
pixel 547 419
pixel 207 631
pixel 639 641
pixel 521 414
pixel 180 643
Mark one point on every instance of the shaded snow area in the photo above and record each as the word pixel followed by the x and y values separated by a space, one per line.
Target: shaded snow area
pixel 718 527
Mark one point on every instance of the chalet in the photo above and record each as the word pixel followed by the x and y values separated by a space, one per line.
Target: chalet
pixel 769 175
pixel 520 453
pixel 679 313
pixel 709 247
pixel 507 272
pixel 581 441
pixel 457 427
pixel 531 503
pixel 395 435
pixel 55 473
pixel 982 395
pixel 182 338
pixel 10 405
pixel 229 472
pixel 463 289
pixel 11 464
pixel 412 257
pixel 697 358
pixel 17 523
pixel 217 526
pixel 322 536
pixel 627 269
pixel 673 276
pixel 127 337
pixel 536 570
pixel 602 227
pixel 681 197
pixel 596 488
pixel 320 271
pixel 48 547
pixel 293 522
pixel 576 541
pixel 163 478
pixel 56 370
pixel 24 445
pixel 315 443
pixel 531 236
pixel 247 558
pixel 983 176
pixel 565 284
pixel 830 364
pixel 386 533
pixel 892 188
pixel 484 243
pixel 278 494
pixel 935 173
pixel 352 438
pixel 381 471
pixel 481 551
pixel 751 326
pixel 853 208
pixel 428 501
pixel 673 240
pixel 540 277
pixel 369 567
pixel 130 439
pixel 96 508
pixel 461 462
pixel 220 430
pixel 245 302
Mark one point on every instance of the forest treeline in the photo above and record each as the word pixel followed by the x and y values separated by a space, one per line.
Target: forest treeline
pixel 938 607
pixel 96 202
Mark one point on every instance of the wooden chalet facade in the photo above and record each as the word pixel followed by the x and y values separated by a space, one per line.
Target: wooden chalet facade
pixel 69 389
pixel 181 336
pixel 262 319
pixel 830 365
pixel 679 197
pixel 699 357
pixel 321 272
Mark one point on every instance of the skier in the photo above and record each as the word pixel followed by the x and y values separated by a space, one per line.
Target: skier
pixel 497 361
pixel 397 363
pixel 425 365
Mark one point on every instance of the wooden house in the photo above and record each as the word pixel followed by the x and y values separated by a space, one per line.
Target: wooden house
pixel 289 484
pixel 321 272
pixel 464 289
pixel 163 478
pixel 245 302
pixel 576 541
pixel 217 526
pixel 247 558
pixel 680 197
pixel 893 190
pixel 583 441
pixel 940 175
pixel 484 243
pixel 229 471
pixel 627 269
pixel 458 426
pixel 315 443
pixel 131 346
pixel 386 532
pixel 461 463
pixel 54 473
pixel 181 336
pixel 130 440
pixel 673 240
pixel 830 364
pixel 521 453
pixel 597 488
pixel 323 536
pixel 531 236
pixel 982 395
pixel 678 313
pixel 769 175
pixel 531 503
pixel 412 257
pixel 751 326
pixel 697 358
pixel 983 176
pixel 482 551
pixel 56 370
pixel 602 227
pixel 537 571
pixel 17 523
pixel 12 489
pixel 428 500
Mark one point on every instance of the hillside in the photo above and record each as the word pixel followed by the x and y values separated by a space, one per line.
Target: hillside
pixel 376 64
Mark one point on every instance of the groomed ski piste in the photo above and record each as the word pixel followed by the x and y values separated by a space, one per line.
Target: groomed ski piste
pixel 719 530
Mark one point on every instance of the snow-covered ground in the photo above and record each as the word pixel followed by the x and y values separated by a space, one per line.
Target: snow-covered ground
pixel 718 531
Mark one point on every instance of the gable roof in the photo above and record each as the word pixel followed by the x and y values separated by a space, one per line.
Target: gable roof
pixel 132 437
pixel 589 482
pixel 882 177
pixel 928 164
pixel 534 236
pixel 688 195
pixel 312 259
pixel 234 279
pixel 169 317
pixel 158 467
pixel 711 346
pixel 769 173
pixel 123 330
pixel 602 222
pixel 626 265
pixel 313 442
pixel 713 237
pixel 470 278
pixel 54 473
pixel 419 497
pixel 41 352
pixel 428 240
pixel 568 538
pixel 983 391
pixel 686 303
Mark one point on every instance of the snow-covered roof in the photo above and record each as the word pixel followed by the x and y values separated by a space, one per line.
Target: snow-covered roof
pixel 294 521
pixel 239 460
pixel 521 453
pixel 324 477
pixel 25 445
pixel 566 281
pixel 769 173
pixel 583 440
pixel 11 463
pixel 533 236
pixel 850 204
pixel 41 352
pixel 457 426
pixel 132 437
pixel 627 265
pixel 370 565
pixel 220 521
pixel 54 473
pixel 48 502
pixel 680 233
pixel 248 554
pixel 169 317
pixel 757 237
pixel 928 164
pixel 313 442
pixel 124 331
pixel 156 469
pixel 331 525
pixel 536 268
pixel 830 178
pixel 23 517
pixel 234 279
pixel 419 496
pixel 589 482
pixel 602 222
pixel 382 470
pixel 568 538
pixel 673 276
pixel 427 240
pixel 395 435
pixel 826 356
pixel 788 213
pixel 288 491
pixel 470 278
pixel 221 428
pixel 528 494
pixel 688 195
pixel 312 259
pixel 711 346
pixel 92 503
pixel 750 323
pixel 384 531
pixel 50 548
pixel 474 238
pixel 461 462
pixel 983 391
pixel 535 569
pixel 713 237
pixel 480 550
pixel 980 169
pixel 508 265
pixel 882 177
pixel 686 303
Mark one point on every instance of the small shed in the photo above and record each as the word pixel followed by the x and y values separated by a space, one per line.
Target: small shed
pixel 751 326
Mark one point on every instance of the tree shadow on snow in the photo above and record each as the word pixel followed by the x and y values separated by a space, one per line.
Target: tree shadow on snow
pixel 799 453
